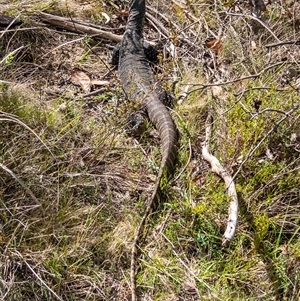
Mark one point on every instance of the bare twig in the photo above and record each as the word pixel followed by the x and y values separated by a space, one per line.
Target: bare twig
pixel 256 75
pixel 258 88
pixel 295 42
pixel 185 265
pixel 11 54
pixel 42 281
pixel 8 22
pixel 183 95
pixel 79 27
pixel 9 117
pixel 258 20
pixel 10 172
pixel 287 114
pixel 187 163
pixel 269 110
pixel 230 186
pixel 158 25
pixel 76 26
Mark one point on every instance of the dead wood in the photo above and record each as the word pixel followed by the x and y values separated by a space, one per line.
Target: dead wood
pixel 230 186
pixel 77 26
pixel 80 27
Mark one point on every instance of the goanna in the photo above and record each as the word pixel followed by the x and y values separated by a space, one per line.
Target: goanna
pixel 139 85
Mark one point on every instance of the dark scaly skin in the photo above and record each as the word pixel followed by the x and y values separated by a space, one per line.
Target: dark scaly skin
pixel 6 21
pixel 149 50
pixel 139 85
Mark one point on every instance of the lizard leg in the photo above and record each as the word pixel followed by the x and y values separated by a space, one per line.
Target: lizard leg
pixel 150 52
pixel 136 124
pixel 165 96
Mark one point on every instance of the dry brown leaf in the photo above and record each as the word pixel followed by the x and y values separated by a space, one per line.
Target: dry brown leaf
pixel 96 82
pixel 81 79
pixel 215 45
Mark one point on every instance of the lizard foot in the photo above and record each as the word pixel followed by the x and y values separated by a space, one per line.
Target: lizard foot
pixel 166 97
pixel 136 124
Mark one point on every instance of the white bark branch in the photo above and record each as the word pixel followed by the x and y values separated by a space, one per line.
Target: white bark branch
pixel 230 186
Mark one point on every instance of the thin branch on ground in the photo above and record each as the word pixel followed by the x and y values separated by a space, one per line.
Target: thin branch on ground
pixel 42 281
pixel 230 186
pixel 187 162
pixel 258 88
pixel 258 20
pixel 268 110
pixel 185 265
pixel 294 42
pixel 9 117
pixel 10 55
pixel 76 26
pixel 248 156
pixel 161 29
pixel 256 75
pixel 10 172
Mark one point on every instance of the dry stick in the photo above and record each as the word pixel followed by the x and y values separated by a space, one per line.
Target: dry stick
pixel 163 31
pixel 230 186
pixel 262 24
pixel 158 24
pixel 83 27
pixel 287 114
pixel 181 34
pixel 71 25
pixel 256 75
pixel 185 265
pixel 294 42
pixel 22 184
pixel 79 27
pixel 10 25
pixel 41 280
pixel 186 164
pixel 258 20
pixel 11 54
pixel 206 85
pixel 10 117
pixel 91 30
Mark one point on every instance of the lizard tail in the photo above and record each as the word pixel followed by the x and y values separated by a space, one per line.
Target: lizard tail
pixel 162 120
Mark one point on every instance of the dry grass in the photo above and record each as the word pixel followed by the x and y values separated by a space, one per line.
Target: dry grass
pixel 73 186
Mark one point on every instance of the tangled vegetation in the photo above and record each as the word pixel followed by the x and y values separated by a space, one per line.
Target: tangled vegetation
pixel 73 185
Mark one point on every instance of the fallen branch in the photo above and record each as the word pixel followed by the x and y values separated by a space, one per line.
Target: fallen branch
pixel 76 26
pixel 230 186
pixel 294 42
pixel 252 151
pixel 80 27
pixel 160 28
pixel 254 76
pixel 43 283
pixel 12 118
pixel 10 172
pixel 258 20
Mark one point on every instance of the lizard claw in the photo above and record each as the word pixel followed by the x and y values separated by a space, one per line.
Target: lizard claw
pixel 136 124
